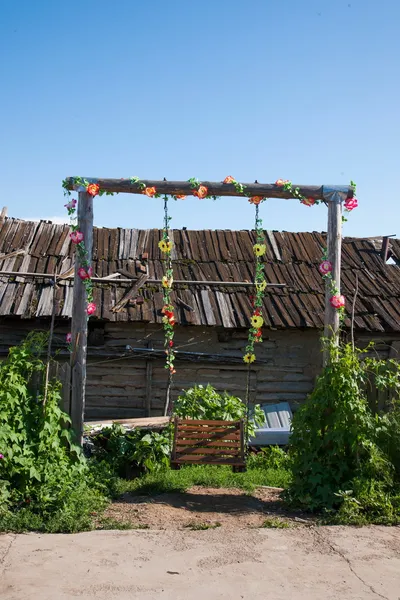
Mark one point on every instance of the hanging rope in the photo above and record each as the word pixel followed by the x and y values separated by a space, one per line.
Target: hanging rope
pixel 165 246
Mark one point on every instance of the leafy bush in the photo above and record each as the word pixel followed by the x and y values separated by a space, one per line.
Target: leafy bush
pixel 122 449
pixel 206 403
pixel 341 451
pixel 271 457
pixel 45 483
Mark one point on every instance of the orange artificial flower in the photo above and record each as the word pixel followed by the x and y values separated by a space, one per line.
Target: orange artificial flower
pixel 93 189
pixel 229 179
pixel 308 201
pixel 180 197
pixel 281 182
pixel 149 191
pixel 256 199
pixel 201 192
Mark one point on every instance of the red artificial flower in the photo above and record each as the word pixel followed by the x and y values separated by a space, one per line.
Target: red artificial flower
pixel 350 204
pixel 170 343
pixel 256 199
pixel 258 333
pixel 93 189
pixel 83 274
pixel 229 179
pixel 91 308
pixel 149 191
pixel 337 301
pixel 76 237
pixel 201 192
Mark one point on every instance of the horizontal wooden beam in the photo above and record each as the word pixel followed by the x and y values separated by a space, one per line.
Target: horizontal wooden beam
pixel 215 188
pixel 130 280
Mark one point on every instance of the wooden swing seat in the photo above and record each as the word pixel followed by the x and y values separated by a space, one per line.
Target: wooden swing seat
pixel 208 443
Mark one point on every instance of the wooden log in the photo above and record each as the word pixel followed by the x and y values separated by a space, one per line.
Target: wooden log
pixel 130 293
pixel 334 242
pixel 79 327
pixel 215 188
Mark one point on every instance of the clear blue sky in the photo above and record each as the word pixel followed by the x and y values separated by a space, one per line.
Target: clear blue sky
pixel 306 90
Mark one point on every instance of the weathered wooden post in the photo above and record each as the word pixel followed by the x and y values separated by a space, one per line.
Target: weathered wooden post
pixel 334 244
pixel 79 327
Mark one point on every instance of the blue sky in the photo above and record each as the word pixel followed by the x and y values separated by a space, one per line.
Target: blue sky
pixel 305 90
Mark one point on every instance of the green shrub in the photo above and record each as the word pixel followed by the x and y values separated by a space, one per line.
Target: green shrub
pixel 338 443
pixel 45 483
pixel 206 403
pixel 122 449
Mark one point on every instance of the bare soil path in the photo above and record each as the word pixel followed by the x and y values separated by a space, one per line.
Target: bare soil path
pixel 301 563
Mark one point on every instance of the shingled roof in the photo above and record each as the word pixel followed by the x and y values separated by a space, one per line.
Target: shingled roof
pixel 291 258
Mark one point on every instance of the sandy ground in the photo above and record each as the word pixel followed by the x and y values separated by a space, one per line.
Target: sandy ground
pixel 200 506
pixel 310 563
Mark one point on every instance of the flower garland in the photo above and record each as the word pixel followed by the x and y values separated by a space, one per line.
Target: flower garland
pixel 165 246
pixel 337 300
pixel 85 271
pixel 257 321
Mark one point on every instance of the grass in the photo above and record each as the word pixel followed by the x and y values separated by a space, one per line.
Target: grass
pixel 202 526
pixel 275 524
pixel 110 523
pixel 168 481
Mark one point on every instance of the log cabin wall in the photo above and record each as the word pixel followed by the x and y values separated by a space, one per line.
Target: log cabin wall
pixel 125 383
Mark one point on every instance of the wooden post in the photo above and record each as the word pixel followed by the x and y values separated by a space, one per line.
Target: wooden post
pixel 334 243
pixel 79 327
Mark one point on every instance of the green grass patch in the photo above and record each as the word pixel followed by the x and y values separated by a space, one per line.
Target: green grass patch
pixel 275 524
pixel 169 481
pixel 203 526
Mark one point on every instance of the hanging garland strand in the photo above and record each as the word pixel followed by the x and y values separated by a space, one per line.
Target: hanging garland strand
pixel 257 321
pixel 165 246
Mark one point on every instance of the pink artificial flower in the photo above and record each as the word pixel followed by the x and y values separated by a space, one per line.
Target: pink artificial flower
pixel 68 338
pixel 281 182
pixel 76 237
pixel 70 205
pixel 351 203
pixel 91 308
pixel 325 267
pixel 308 201
pixel 1 456
pixel 85 274
pixel 337 301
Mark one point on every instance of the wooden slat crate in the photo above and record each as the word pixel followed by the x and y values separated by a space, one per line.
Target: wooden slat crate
pixel 208 443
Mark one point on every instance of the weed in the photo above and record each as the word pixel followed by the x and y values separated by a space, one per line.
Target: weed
pixel 203 526
pixel 275 524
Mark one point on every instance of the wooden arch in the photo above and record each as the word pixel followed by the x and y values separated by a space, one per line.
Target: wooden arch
pixel 333 196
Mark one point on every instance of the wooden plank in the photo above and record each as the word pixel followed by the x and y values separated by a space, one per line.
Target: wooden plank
pixel 130 293
pixel 204 437
pixel 181 443
pixel 195 450
pixel 215 188
pixel 334 241
pixel 203 422
pixel 79 319
pixel 197 460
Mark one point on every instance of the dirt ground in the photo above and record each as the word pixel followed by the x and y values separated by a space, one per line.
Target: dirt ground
pixel 304 563
pixel 201 507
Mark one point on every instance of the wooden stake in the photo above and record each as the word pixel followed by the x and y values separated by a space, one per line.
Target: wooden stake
pixel 334 242
pixel 79 327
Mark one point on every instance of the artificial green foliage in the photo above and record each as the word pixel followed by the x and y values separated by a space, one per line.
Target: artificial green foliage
pixel 122 449
pixel 344 455
pixel 45 483
pixel 206 403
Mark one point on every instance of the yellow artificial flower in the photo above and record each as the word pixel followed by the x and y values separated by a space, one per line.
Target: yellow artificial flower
pixel 165 246
pixel 167 282
pixel 257 321
pixel 249 358
pixel 260 287
pixel 259 249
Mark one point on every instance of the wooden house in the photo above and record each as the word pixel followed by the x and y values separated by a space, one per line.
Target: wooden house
pixel 213 271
